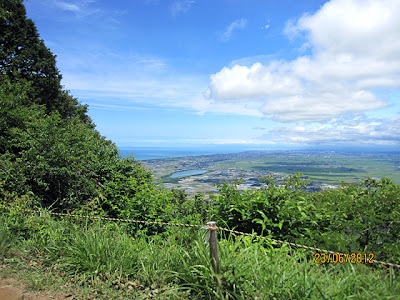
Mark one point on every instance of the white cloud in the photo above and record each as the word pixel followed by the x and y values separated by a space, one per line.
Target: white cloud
pixel 320 107
pixel 236 25
pixel 205 105
pixel 233 141
pixel 68 6
pixel 355 49
pixel 357 131
pixel 181 6
pixel 353 26
pixel 132 80
pixel 79 8
pixel 104 76
pixel 110 107
pixel 255 82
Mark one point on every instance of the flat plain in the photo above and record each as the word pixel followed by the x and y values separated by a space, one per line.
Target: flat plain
pixel 320 167
pixel 325 167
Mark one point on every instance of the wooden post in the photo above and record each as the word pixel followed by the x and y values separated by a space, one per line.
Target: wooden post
pixel 213 246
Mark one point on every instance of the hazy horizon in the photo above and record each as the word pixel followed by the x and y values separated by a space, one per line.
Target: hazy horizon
pixel 146 153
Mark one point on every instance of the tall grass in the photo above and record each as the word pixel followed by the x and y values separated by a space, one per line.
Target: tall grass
pixel 7 240
pixel 176 265
pixel 97 249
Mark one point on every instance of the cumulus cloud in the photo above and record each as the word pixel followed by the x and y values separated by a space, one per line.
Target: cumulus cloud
pixel 255 82
pixel 354 48
pixel 181 6
pixel 319 107
pixel 236 25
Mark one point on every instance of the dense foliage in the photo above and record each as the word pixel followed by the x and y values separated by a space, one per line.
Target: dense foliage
pixel 49 148
pixel 24 57
pixel 351 219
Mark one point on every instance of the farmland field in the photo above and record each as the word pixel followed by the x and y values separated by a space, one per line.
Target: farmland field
pixel 321 167
pixel 331 167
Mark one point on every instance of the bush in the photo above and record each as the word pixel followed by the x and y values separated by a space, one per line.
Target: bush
pixel 352 219
pixel 280 211
pixel 365 218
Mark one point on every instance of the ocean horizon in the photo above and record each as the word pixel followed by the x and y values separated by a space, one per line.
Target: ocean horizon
pixel 147 153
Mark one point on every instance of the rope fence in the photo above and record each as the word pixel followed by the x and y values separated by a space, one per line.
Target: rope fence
pixel 302 246
pixel 211 226
pixel 110 219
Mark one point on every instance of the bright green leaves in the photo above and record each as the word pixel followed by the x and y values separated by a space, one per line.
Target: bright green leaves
pixel 63 161
pixel 366 216
pixel 349 219
pixel 275 210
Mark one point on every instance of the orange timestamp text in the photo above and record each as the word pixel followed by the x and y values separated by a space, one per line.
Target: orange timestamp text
pixel 354 258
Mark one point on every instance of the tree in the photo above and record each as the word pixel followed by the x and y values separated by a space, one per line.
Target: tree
pixel 49 148
pixel 62 162
pixel 23 55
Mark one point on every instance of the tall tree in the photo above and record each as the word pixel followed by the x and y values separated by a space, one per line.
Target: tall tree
pixel 23 55
pixel 49 148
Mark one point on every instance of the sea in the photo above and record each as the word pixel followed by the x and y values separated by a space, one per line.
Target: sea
pixel 147 153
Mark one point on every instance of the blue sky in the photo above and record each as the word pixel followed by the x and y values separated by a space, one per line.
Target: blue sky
pixel 273 74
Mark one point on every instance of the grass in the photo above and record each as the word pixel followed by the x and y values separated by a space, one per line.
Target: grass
pixel 98 251
pixel 6 240
pixel 103 259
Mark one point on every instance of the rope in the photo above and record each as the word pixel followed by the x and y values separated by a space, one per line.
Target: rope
pixel 111 219
pixel 200 226
pixel 301 246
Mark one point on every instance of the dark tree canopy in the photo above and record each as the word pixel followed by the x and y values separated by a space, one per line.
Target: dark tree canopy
pixel 49 148
pixel 24 56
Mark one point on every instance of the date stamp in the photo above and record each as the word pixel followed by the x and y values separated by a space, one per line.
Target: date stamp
pixel 354 258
